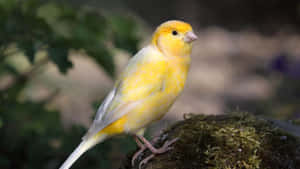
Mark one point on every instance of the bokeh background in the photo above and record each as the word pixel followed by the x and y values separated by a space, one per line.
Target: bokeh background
pixel 58 60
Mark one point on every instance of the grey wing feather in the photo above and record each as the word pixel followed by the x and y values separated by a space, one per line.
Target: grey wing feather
pixel 100 113
pixel 102 109
pixel 105 117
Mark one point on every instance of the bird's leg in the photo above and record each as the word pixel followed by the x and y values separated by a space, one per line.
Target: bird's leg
pixel 145 161
pixel 138 142
pixel 166 147
pixel 156 138
pixel 142 148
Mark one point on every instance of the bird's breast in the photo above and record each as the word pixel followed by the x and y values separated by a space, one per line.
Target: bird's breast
pixel 157 105
pixel 176 75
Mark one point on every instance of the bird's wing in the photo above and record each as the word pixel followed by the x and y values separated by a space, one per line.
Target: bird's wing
pixel 143 77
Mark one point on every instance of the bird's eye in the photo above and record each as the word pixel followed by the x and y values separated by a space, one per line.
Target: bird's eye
pixel 174 33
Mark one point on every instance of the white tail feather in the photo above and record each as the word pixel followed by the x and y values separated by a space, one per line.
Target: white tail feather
pixel 81 148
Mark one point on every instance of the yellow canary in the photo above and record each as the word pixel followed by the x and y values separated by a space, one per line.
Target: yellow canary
pixel 145 91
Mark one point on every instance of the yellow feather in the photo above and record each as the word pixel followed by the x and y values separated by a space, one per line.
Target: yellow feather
pixel 147 88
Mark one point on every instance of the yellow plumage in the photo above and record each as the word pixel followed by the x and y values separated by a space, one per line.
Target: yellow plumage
pixel 147 88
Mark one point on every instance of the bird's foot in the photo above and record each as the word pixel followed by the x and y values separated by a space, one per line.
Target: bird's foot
pixel 166 147
pixel 145 161
pixel 142 148
pixel 135 156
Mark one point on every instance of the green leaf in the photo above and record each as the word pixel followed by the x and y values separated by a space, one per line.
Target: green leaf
pixel 11 69
pixel 29 49
pixel 7 68
pixel 8 5
pixel 94 22
pixel 1 122
pixel 124 33
pixel 34 25
pixel 59 56
pixel 103 57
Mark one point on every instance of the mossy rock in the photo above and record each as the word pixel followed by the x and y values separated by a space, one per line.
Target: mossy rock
pixel 235 141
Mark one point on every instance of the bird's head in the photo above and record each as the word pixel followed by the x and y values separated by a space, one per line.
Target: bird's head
pixel 174 38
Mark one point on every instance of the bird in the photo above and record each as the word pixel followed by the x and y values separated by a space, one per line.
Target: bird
pixel 144 92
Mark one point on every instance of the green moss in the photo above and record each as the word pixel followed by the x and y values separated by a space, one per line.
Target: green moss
pixel 235 141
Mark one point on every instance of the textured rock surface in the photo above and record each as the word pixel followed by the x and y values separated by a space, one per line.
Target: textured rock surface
pixel 236 141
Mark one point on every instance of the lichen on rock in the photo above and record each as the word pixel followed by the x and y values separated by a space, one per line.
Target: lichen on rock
pixel 232 141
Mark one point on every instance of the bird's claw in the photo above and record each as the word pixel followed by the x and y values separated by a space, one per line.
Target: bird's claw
pixel 135 156
pixel 145 161
pixel 166 147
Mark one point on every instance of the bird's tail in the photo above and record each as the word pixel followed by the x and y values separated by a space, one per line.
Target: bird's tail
pixel 85 145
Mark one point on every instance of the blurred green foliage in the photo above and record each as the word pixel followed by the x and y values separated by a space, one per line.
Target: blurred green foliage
pixel 33 136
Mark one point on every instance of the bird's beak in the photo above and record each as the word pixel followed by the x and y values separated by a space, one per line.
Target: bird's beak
pixel 190 37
